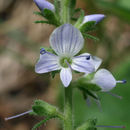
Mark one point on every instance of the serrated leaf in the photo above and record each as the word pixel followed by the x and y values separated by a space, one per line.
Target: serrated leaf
pixel 50 16
pixel 88 26
pixel 90 37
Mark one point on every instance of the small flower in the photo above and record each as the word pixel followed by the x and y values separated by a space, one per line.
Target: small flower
pixel 43 4
pixel 104 79
pixel 94 17
pixel 66 41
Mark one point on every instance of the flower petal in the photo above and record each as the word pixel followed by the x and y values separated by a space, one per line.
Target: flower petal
pixel 66 76
pixel 42 4
pixel 104 79
pixel 96 61
pixel 81 64
pixel 66 40
pixel 47 62
pixel 93 17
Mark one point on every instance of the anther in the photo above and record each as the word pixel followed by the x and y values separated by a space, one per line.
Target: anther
pixel 42 51
pixel 121 81
pixel 88 57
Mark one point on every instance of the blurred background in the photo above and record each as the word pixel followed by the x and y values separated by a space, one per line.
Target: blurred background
pixel 20 42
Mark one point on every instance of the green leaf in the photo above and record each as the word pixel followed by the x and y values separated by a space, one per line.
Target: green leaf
pixel 90 37
pixel 88 125
pixel 53 73
pixel 80 19
pixel 40 123
pixel 88 26
pixel 72 6
pixel 38 13
pixel 41 21
pixel 50 16
pixel 85 84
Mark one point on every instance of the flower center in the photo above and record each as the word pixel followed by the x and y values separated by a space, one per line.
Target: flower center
pixel 64 61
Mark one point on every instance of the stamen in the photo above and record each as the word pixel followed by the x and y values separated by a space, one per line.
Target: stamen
pixel 16 116
pixel 42 51
pixel 110 126
pixel 114 95
pixel 68 65
pixel 121 81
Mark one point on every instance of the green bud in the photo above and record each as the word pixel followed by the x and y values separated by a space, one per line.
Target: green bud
pixel 42 108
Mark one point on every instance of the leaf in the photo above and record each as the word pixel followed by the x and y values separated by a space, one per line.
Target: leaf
pixel 41 21
pixel 90 37
pixel 40 123
pixel 80 19
pixel 88 26
pixel 38 13
pixel 50 16
pixel 88 125
pixel 53 73
pixel 72 6
pixel 85 84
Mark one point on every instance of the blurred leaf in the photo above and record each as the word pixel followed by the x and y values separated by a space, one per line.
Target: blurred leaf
pixel 115 9
pixel 90 37
pixel 38 13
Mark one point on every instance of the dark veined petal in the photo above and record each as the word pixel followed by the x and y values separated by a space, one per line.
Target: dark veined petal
pixel 66 76
pixel 83 63
pixel 47 62
pixel 66 40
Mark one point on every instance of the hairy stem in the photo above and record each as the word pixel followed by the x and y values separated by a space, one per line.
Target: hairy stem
pixel 65 13
pixel 68 122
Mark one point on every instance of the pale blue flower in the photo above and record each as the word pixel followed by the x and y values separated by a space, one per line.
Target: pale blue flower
pixel 104 79
pixel 66 41
pixel 43 4
pixel 94 17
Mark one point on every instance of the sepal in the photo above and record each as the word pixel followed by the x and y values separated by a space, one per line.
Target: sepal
pixel 88 125
pixel 42 108
pixel 87 27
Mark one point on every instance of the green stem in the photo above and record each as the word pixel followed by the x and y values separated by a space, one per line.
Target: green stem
pixel 65 11
pixel 68 122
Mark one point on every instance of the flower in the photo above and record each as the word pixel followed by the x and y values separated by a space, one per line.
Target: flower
pixel 94 17
pixel 42 4
pixel 66 41
pixel 105 80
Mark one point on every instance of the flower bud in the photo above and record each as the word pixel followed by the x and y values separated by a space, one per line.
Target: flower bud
pixel 43 4
pixel 94 17
pixel 42 108
pixel 105 80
